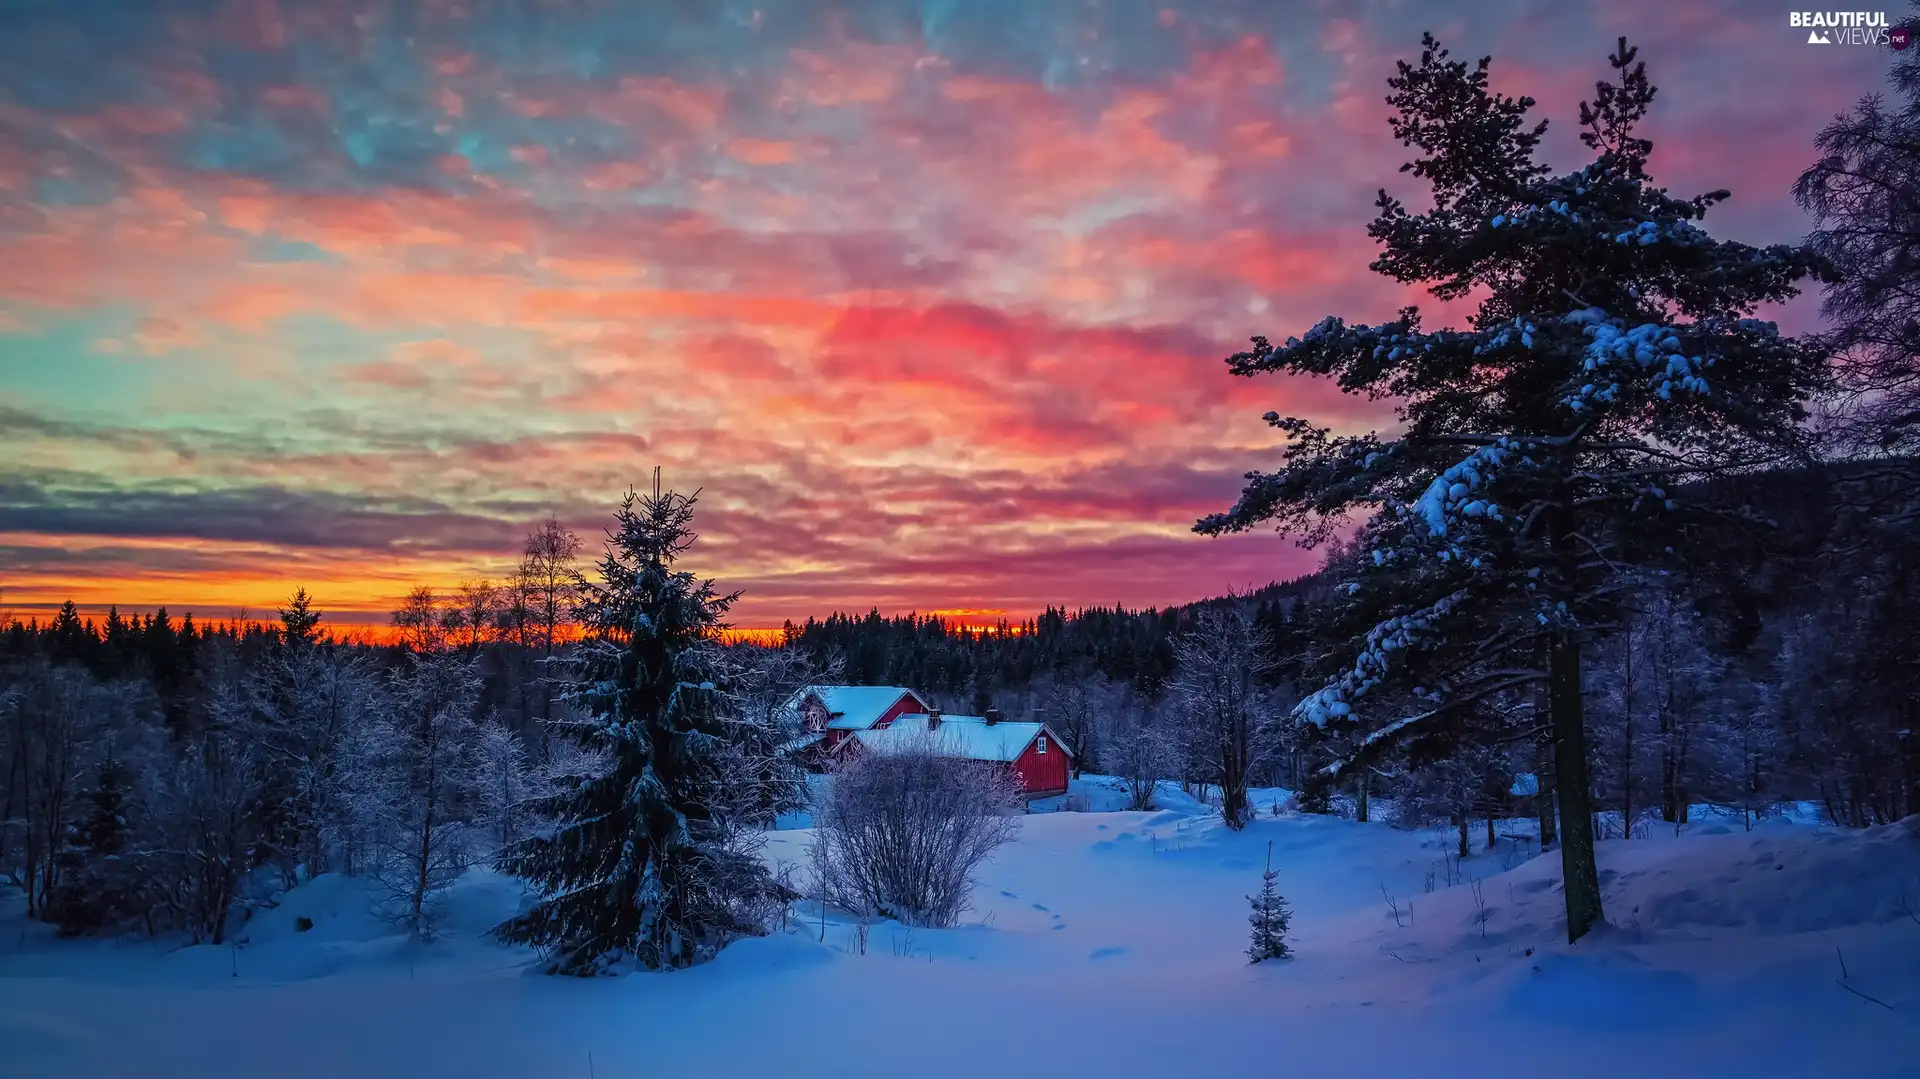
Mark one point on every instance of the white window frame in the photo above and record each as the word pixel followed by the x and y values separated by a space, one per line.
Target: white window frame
pixel 1043 743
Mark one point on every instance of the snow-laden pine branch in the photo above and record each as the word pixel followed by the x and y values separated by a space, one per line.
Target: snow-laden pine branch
pixel 1396 635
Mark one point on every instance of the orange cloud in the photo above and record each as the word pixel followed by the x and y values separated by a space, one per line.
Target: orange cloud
pixel 763 151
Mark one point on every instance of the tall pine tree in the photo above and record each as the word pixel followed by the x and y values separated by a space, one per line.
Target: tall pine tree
pixel 1552 443
pixel 636 866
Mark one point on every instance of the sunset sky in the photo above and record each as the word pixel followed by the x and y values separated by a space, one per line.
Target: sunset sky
pixel 930 299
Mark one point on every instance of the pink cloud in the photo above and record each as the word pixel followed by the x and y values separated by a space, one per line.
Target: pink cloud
pixel 763 151
pixel 931 335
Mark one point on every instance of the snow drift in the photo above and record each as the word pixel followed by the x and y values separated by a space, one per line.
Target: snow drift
pixel 1098 943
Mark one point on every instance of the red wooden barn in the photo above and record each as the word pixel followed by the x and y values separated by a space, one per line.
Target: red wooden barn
pixel 1032 751
pixel 830 714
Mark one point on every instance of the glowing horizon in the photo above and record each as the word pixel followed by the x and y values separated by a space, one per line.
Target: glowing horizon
pixel 360 626
pixel 929 300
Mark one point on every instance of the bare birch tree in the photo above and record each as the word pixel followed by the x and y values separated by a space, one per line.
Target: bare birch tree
pixel 1217 690
pixel 1139 750
pixel 425 790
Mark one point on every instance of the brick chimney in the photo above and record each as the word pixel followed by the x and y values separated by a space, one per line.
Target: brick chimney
pixel 933 719
pixel 992 716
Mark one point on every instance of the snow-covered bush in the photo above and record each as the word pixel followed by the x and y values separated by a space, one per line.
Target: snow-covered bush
pixel 1141 752
pixel 901 832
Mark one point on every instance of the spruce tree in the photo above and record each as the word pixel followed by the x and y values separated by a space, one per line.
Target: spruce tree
pixel 299 622
pixel 98 889
pixel 636 865
pixel 1270 917
pixel 1551 445
pixel 69 638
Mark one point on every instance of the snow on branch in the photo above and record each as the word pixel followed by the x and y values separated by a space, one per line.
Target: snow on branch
pixel 1450 493
pixel 1321 350
pixel 1397 634
pixel 1648 233
pixel 1376 742
pixel 1649 350
pixel 1372 743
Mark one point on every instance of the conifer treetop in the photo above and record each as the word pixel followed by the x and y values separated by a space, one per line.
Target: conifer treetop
pixel 1612 358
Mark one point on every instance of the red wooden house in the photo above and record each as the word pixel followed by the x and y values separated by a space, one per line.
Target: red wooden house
pixel 831 714
pixel 1030 750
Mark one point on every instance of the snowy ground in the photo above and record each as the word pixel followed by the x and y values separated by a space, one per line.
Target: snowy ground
pixel 1102 943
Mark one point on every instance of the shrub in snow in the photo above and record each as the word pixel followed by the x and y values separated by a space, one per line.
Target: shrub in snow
pixel 1316 798
pixel 1141 752
pixel 1270 917
pixel 902 831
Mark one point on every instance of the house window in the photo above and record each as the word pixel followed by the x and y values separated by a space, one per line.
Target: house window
pixel 1043 743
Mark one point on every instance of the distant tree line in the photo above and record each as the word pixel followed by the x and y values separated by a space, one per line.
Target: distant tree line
pixel 968 665
pixel 157 772
pixel 169 776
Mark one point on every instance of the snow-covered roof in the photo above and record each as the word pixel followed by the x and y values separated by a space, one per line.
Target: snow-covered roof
pixel 855 708
pixel 971 737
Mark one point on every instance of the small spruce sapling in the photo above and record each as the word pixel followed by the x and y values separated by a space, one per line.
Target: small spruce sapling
pixel 1270 917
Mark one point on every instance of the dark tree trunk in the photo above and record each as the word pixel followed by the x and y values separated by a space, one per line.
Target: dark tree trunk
pixel 33 870
pixel 1910 756
pixel 1626 782
pixel 1233 801
pixel 1362 801
pixel 1544 804
pixel 1579 870
pixel 1626 741
pixel 1669 775
pixel 1460 822
pixel 1573 788
pixel 1673 733
pixel 1490 836
pixel 1543 795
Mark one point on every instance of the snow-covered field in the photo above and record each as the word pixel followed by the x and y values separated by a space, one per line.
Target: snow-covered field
pixel 1103 943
